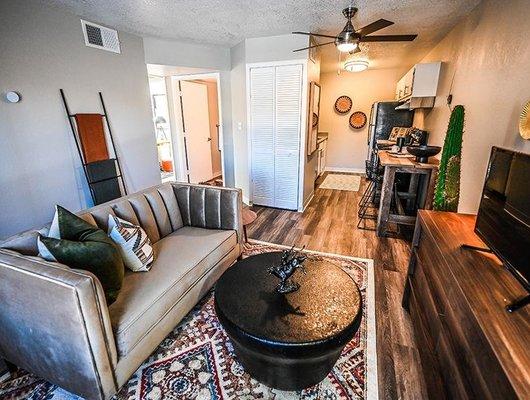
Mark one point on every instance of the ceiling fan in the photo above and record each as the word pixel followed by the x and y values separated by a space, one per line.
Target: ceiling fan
pixel 347 41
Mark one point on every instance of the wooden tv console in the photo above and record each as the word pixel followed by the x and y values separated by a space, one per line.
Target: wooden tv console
pixel 470 347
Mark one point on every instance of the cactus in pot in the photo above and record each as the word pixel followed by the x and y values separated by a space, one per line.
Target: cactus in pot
pixel 447 191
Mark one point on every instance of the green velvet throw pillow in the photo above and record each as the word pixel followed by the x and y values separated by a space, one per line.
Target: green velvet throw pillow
pixel 85 246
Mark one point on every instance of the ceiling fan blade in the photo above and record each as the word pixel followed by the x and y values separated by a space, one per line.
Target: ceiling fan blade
pixel 374 26
pixel 310 47
pixel 313 34
pixel 388 38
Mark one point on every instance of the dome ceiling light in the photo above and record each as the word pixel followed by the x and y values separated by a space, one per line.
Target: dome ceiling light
pixel 356 65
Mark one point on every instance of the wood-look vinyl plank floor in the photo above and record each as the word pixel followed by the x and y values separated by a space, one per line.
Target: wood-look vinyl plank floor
pixel 329 224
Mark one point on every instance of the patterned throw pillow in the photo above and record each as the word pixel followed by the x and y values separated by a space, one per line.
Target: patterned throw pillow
pixel 133 243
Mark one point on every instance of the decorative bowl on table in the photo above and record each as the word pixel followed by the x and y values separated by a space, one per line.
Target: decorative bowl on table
pixel 423 153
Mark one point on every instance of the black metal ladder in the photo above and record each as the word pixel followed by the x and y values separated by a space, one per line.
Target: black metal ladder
pixel 103 177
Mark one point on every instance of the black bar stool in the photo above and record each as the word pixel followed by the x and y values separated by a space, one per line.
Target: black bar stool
pixel 369 199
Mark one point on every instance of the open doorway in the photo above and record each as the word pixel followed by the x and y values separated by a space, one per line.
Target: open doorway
pixel 161 120
pixel 188 123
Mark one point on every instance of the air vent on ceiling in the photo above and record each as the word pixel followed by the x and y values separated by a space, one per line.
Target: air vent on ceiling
pixel 100 37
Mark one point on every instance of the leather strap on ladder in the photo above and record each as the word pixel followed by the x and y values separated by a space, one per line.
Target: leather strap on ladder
pixel 92 137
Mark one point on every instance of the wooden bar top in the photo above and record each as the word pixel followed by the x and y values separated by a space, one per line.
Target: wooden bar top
pixel 487 288
pixel 387 160
pixel 384 142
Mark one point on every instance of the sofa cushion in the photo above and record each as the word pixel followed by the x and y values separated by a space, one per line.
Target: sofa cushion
pixel 145 215
pixel 160 212
pixel 172 207
pixel 182 258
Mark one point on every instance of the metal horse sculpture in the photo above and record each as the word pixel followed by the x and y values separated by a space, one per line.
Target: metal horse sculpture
pixel 291 261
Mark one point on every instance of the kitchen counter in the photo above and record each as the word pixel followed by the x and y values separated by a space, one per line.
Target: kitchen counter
pixel 321 136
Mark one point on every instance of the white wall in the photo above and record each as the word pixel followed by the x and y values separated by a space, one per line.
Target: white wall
pixel 255 50
pixel 346 146
pixel 184 54
pixel 203 58
pixel 276 48
pixel 488 54
pixel 43 50
pixel 239 118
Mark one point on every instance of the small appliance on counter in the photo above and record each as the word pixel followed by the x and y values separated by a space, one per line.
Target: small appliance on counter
pixel 383 118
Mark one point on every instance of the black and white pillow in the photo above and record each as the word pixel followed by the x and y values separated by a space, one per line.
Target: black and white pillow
pixel 133 243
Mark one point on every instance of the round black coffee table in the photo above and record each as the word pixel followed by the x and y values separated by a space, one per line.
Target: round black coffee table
pixel 287 341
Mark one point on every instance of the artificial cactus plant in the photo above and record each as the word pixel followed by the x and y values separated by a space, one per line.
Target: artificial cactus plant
pixel 447 191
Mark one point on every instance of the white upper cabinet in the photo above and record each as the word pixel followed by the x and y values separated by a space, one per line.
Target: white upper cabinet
pixel 420 82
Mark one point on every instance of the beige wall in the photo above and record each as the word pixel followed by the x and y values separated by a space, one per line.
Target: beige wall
pixel 346 146
pixel 488 56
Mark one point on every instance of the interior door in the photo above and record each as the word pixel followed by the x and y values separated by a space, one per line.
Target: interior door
pixel 262 135
pixel 288 88
pixel 275 129
pixel 196 122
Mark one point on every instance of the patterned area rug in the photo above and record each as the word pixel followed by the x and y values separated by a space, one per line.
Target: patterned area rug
pixel 341 182
pixel 196 361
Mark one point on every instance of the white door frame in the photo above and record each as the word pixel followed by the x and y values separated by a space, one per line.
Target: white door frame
pixel 303 120
pixel 182 172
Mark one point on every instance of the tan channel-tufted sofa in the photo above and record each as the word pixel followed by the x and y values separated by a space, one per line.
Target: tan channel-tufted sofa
pixel 54 320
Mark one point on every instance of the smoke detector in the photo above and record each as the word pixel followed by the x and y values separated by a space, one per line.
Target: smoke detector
pixel 100 37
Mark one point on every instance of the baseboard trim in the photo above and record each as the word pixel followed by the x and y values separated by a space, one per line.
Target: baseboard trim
pixel 346 169
pixel 308 200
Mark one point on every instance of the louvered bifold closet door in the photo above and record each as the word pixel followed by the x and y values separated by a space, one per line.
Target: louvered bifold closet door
pixel 262 134
pixel 288 96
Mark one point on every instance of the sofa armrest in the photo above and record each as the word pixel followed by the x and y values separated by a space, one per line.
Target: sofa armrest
pixel 54 322
pixel 210 207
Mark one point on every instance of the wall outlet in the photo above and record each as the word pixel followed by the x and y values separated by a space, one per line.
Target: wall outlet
pixel 240 126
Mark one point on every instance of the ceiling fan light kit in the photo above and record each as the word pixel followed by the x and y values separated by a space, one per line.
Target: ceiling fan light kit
pixel 346 47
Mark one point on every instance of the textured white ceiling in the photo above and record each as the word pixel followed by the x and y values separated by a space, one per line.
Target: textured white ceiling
pixel 227 22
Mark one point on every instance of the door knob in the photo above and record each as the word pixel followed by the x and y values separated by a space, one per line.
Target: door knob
pixel 209 139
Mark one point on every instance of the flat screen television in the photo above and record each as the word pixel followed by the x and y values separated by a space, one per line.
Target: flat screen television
pixel 503 220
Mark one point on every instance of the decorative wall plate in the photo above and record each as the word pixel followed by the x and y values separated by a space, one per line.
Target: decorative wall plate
pixel 358 120
pixel 315 120
pixel 524 122
pixel 343 104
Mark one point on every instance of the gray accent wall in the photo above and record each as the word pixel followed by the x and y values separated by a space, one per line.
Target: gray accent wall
pixel 42 50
